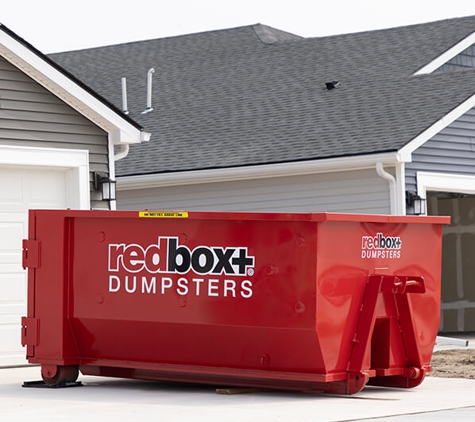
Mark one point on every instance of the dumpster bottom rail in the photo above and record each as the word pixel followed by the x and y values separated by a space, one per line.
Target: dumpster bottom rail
pixel 336 383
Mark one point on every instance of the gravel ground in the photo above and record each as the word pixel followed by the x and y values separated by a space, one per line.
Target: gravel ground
pixel 455 363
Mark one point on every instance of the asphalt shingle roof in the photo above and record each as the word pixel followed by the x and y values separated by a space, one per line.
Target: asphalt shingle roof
pixel 255 95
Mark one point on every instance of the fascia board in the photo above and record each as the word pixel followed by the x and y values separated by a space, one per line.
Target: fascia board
pixel 438 126
pixel 67 90
pixel 447 56
pixel 257 172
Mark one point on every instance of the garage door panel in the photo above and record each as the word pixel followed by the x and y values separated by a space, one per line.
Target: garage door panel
pixel 20 189
pixel 12 292
pixel 12 194
pixel 9 351
pixel 14 200
pixel 54 195
pixel 11 264
pixel 11 315
pixel 10 190
pixel 11 260
pixel 11 233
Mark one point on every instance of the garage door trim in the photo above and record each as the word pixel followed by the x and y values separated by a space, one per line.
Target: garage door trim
pixel 76 162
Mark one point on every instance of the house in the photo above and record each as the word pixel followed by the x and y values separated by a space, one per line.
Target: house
pixel 57 137
pixel 256 119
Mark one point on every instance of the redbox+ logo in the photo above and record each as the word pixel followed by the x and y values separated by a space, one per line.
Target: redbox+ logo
pixel 167 256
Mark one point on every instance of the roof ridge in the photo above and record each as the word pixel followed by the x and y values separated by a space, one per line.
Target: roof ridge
pixel 277 34
pixel 397 27
pixel 270 35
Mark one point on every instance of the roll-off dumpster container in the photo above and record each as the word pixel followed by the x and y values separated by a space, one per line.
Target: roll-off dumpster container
pixel 314 302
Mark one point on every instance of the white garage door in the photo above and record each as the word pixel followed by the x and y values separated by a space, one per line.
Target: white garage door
pixel 21 188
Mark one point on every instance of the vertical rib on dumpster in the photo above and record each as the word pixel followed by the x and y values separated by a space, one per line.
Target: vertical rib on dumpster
pixel 361 341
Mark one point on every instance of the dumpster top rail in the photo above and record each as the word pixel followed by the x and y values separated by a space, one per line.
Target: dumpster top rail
pixel 274 216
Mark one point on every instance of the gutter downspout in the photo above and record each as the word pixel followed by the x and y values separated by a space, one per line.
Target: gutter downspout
pixel 123 152
pixel 392 186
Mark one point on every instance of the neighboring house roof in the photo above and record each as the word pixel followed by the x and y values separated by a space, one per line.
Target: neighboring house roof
pixel 255 95
pixel 121 128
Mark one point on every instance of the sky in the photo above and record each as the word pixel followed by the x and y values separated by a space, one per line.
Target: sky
pixel 61 25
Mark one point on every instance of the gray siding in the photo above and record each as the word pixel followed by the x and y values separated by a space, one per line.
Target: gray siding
pixel 464 60
pixel 450 151
pixel 32 116
pixel 360 191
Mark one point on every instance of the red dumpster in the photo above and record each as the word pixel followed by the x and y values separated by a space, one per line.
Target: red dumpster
pixel 313 302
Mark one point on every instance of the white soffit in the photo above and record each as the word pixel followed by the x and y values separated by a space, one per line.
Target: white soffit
pixel 447 56
pixel 67 90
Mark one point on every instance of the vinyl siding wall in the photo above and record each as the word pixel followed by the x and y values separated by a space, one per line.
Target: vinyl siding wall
pixel 32 116
pixel 464 60
pixel 451 151
pixel 360 191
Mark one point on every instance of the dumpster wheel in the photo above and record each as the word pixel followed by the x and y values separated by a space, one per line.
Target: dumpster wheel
pixel 54 375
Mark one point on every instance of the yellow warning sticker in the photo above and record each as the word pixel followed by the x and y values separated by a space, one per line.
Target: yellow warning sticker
pixel 163 214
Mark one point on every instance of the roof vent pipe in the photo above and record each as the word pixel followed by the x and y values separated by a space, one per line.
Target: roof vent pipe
pixel 124 96
pixel 149 108
pixel 331 85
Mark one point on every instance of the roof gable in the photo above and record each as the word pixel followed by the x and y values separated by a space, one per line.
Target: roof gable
pixel 229 99
pixel 68 88
pixel 449 55
pixel 463 60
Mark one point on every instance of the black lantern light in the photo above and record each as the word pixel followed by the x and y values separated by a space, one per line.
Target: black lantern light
pixel 103 183
pixel 416 204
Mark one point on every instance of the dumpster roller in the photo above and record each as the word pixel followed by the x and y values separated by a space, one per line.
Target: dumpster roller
pixel 314 302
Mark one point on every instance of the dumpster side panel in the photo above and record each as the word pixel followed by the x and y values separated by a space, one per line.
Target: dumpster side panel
pixel 129 303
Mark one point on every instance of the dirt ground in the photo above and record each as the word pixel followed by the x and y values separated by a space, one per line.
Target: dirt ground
pixel 456 363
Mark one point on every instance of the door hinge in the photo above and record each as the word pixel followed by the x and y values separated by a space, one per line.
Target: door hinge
pixel 29 331
pixel 31 254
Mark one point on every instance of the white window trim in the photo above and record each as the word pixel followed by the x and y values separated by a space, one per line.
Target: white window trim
pixel 74 162
pixel 444 182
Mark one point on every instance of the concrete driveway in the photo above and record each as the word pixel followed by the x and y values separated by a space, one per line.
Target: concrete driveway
pixel 436 399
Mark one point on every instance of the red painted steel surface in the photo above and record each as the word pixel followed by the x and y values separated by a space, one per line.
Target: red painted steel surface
pixel 313 302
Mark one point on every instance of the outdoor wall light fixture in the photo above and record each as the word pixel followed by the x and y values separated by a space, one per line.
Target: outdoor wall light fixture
pixel 415 203
pixel 103 183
